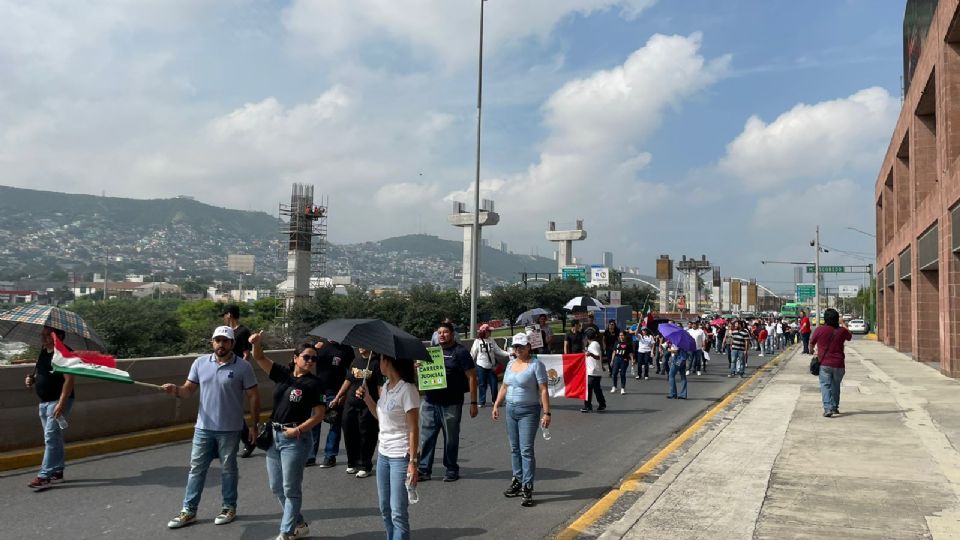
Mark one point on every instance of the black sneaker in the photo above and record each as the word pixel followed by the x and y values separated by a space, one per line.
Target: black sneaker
pixel 527 494
pixel 423 476
pixel 827 414
pixel 601 408
pixel 247 450
pixel 53 478
pixel 514 489
pixel 586 409
pixel 451 477
pixel 311 462
pixel 328 462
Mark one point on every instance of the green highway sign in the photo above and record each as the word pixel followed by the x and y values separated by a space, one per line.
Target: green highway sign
pixel 578 273
pixel 806 291
pixel 827 269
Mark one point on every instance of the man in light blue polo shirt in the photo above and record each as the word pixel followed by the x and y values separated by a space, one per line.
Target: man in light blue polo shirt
pixel 224 379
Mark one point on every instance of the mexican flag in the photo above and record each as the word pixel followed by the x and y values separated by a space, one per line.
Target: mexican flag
pixel 566 375
pixel 86 364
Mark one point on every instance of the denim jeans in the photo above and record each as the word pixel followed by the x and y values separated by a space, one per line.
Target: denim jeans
pixel 736 362
pixel 487 377
pixel 594 389
pixel 771 345
pixel 207 445
pixel 53 453
pixel 678 365
pixel 830 378
pixel 619 368
pixel 696 358
pixel 392 492
pixel 433 420
pixel 286 459
pixel 643 364
pixel 522 424
pixel 332 448
pixel 805 338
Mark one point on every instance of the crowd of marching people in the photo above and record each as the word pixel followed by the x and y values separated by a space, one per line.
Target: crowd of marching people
pixel 372 400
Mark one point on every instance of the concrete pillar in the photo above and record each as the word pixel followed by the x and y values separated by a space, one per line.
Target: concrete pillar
pixel 464 220
pixel 664 292
pixel 565 240
pixel 693 292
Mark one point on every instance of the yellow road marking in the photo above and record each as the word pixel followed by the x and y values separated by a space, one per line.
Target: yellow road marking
pixel 633 482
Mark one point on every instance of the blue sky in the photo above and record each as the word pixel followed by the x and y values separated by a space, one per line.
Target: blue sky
pixel 690 127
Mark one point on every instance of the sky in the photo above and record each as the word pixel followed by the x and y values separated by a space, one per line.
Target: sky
pixel 684 127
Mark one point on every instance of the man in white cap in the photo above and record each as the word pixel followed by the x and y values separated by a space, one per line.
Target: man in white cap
pixel 224 379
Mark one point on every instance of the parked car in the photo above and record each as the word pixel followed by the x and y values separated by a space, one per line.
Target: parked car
pixel 858 326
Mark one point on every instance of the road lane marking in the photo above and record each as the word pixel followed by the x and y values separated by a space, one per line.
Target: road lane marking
pixel 633 482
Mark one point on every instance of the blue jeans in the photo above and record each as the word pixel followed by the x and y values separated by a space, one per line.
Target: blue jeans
pixel 522 424
pixel 805 338
pixel 286 459
pixel 487 377
pixel 332 447
pixel 697 360
pixel 207 445
pixel 830 378
pixel 392 492
pixel 620 365
pixel 53 453
pixel 737 359
pixel 433 420
pixel 771 345
pixel 678 365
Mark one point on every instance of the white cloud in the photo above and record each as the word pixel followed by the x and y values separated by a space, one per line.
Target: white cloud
pixel 590 162
pixel 434 29
pixel 826 140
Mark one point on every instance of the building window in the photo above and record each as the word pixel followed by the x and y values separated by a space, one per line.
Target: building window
pixel 928 249
pixel 955 228
pixel 889 273
pixel 905 265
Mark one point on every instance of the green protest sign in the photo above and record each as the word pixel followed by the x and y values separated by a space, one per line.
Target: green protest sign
pixel 432 375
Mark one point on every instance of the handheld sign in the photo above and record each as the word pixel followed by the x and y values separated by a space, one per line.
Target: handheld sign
pixel 534 336
pixel 432 375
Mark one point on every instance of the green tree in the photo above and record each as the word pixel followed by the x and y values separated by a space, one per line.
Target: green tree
pixel 508 302
pixel 197 320
pixel 553 295
pixel 134 328
pixel 638 297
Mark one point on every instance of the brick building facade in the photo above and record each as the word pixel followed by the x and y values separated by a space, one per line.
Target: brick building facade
pixel 917 199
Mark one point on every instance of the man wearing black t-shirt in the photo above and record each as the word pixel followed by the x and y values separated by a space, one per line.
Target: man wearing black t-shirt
pixel 573 341
pixel 241 348
pixel 332 363
pixel 56 399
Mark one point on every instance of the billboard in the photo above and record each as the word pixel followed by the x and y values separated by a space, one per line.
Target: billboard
pixel 599 276
pixel 242 264
pixel 848 291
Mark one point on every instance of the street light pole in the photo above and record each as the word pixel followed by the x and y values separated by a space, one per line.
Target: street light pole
pixel 475 245
pixel 816 277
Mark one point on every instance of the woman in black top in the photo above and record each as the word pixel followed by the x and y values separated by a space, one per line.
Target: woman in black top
pixel 360 426
pixel 297 406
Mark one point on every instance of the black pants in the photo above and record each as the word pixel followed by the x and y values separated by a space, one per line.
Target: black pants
pixel 643 364
pixel 360 431
pixel 594 389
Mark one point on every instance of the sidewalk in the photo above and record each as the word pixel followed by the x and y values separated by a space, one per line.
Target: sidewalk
pixel 774 467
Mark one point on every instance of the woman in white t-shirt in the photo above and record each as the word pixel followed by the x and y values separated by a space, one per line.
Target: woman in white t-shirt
pixel 398 412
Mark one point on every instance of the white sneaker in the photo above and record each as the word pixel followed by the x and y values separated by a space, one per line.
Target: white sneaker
pixel 362 473
pixel 647 378
pixel 226 516
pixel 352 470
pixel 614 389
pixel 302 530
pixel 623 391
pixel 688 372
pixel 698 373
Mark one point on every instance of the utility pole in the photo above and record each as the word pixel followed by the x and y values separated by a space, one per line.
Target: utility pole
pixel 816 277
pixel 475 255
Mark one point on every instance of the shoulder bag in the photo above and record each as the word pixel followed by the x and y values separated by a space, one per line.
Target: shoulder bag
pixel 264 436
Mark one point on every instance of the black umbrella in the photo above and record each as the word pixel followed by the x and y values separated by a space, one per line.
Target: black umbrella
pixel 375 335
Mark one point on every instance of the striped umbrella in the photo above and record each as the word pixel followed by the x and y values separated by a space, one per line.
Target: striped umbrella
pixel 24 323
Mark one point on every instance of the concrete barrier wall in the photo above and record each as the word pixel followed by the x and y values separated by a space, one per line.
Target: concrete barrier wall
pixel 104 408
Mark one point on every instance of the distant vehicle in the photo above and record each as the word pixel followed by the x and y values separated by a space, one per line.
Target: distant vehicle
pixel 858 326
pixel 847 317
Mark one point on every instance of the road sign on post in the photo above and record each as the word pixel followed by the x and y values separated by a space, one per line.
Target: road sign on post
pixel 806 292
pixel 827 269
pixel 578 273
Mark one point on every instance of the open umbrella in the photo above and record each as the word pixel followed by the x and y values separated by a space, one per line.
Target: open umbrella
pixel 678 336
pixel 24 323
pixel 719 321
pixel 375 335
pixel 583 303
pixel 529 317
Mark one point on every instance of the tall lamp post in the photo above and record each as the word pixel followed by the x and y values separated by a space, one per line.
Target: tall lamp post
pixel 475 245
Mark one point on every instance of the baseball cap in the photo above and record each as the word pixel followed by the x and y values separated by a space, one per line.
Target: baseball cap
pixel 484 327
pixel 521 339
pixel 223 331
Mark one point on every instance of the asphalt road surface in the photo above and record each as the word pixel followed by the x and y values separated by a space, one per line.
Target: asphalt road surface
pixel 133 494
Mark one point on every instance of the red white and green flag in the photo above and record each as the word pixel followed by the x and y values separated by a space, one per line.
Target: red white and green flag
pixel 86 364
pixel 566 375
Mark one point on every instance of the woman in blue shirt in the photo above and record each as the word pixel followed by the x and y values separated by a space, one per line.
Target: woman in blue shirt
pixel 528 404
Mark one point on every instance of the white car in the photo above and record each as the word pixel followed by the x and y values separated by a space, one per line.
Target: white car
pixel 858 326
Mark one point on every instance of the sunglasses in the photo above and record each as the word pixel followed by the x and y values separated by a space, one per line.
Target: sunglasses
pixel 309 358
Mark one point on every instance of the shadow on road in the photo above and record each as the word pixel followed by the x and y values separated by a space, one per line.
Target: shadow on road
pixel 489 473
pixel 445 533
pixel 587 493
pixel 172 477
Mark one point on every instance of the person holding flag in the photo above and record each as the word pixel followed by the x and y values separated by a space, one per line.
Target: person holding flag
pixel 55 391
pixel 525 392
pixel 224 380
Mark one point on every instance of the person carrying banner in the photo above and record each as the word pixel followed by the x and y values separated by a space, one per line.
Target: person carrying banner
pixel 442 409
pixel 55 391
pixel 528 406
pixel 224 380
pixel 297 406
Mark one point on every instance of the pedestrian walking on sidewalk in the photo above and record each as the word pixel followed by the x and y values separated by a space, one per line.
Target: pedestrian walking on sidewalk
pixel 678 366
pixel 525 393
pixel 224 380
pixel 829 340
pixel 298 405
pixel 805 331
pixel 55 391
pixel 398 412
pixel 622 358
pixel 594 374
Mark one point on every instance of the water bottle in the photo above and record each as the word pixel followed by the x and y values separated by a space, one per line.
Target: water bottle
pixel 546 433
pixel 412 496
pixel 61 421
